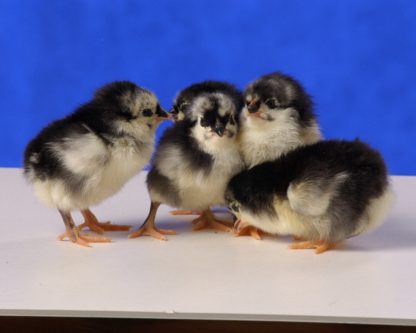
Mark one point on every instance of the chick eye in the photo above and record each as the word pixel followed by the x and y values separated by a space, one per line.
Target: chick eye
pixel 204 122
pixel 271 103
pixel 147 112
pixel 234 207
pixel 183 106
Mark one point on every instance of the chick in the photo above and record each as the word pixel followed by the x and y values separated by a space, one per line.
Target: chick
pixel 322 193
pixel 277 118
pixel 182 102
pixel 80 160
pixel 195 160
pixel 181 106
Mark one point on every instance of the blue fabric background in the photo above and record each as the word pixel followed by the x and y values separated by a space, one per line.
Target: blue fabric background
pixel 355 57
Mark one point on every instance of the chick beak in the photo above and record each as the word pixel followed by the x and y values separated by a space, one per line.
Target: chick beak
pixel 172 113
pixel 253 108
pixel 219 129
pixel 161 115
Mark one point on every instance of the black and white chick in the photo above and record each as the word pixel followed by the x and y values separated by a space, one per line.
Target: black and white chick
pixel 181 103
pixel 78 161
pixel 277 117
pixel 181 109
pixel 322 193
pixel 195 159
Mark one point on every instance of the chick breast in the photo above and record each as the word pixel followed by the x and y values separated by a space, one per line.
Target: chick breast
pixel 183 175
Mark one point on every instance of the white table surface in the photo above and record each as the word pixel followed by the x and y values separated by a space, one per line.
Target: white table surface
pixel 201 275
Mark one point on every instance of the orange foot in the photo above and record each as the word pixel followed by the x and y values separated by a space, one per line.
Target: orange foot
pixel 148 230
pixel 207 220
pixel 92 223
pixel 319 246
pixel 249 231
pixel 184 212
pixel 241 229
pixel 148 227
pixel 75 236
pixel 297 238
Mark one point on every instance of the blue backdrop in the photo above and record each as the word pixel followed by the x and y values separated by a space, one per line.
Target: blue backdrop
pixel 355 57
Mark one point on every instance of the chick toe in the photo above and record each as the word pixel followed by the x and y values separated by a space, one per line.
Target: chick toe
pixel 152 231
pixel 248 231
pixel 75 236
pixel 184 212
pixel 208 221
pixel 319 246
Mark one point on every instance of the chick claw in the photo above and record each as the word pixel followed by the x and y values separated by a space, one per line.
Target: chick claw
pixel 319 246
pixel 208 221
pixel 153 232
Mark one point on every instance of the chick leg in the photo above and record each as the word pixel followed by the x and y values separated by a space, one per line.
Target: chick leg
pixel 92 223
pixel 240 229
pixel 74 235
pixel 319 246
pixel 148 227
pixel 207 220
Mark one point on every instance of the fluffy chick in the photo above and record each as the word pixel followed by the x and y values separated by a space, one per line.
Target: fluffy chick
pixel 277 118
pixel 321 193
pixel 195 160
pixel 80 160
pixel 181 108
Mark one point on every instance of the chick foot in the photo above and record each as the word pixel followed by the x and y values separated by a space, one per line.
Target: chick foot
pixel 74 234
pixel 92 223
pixel 207 220
pixel 77 237
pixel 184 212
pixel 297 238
pixel 240 229
pixel 319 246
pixel 147 230
pixel 148 227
